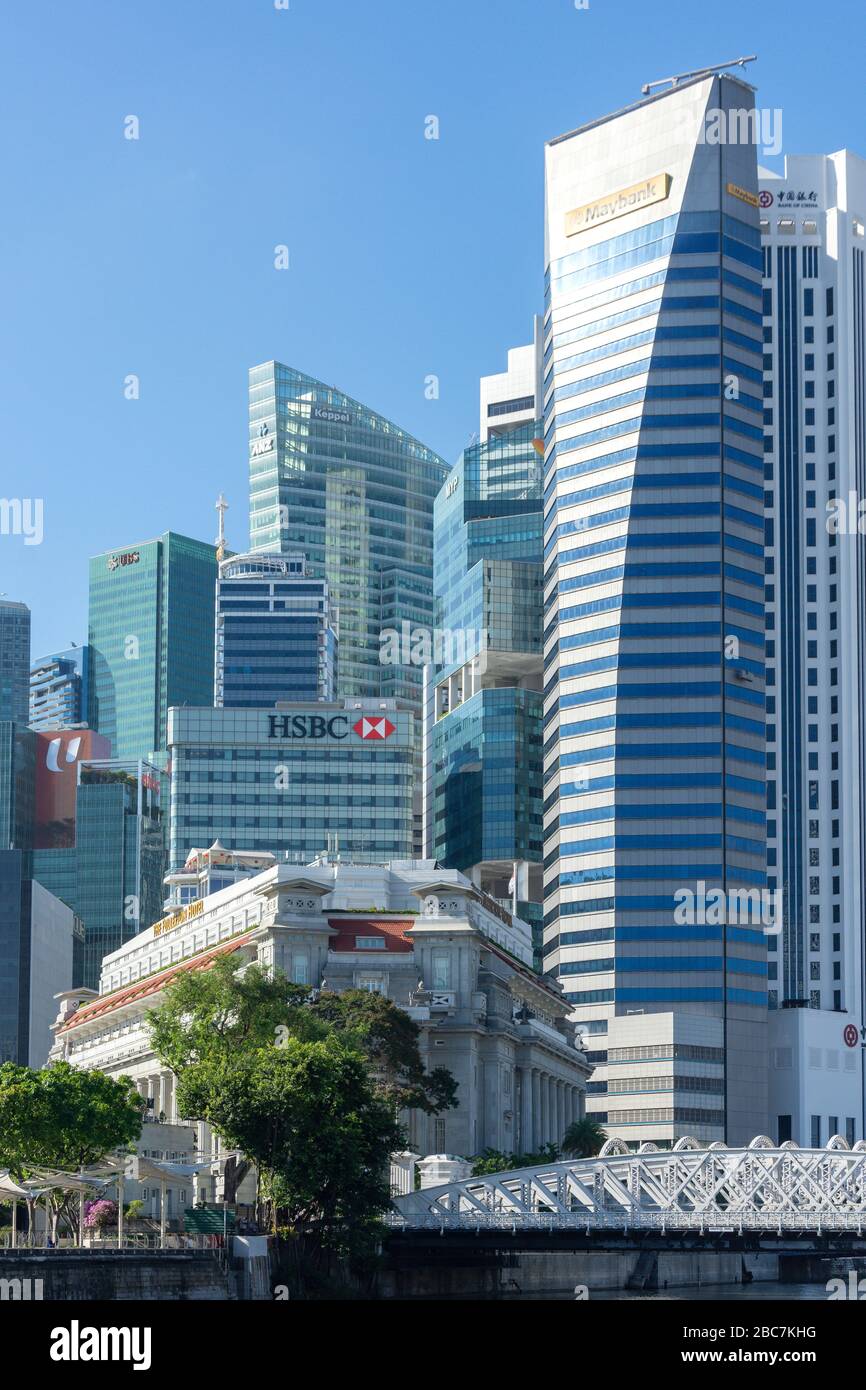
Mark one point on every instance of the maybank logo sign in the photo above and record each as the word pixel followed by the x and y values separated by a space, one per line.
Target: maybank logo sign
pixel 651 190
pixel 745 195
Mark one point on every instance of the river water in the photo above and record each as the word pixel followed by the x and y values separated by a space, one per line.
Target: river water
pixel 709 1293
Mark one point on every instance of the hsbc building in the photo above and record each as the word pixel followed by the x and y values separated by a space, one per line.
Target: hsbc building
pixel 297 780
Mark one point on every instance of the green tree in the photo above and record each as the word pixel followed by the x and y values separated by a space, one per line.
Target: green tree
pixel 583 1138
pixel 220 1011
pixel 64 1118
pixel 320 1133
pixel 215 1012
pixel 388 1037
pixel 494 1161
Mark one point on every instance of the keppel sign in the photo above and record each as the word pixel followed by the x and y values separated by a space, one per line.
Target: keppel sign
pixel 652 190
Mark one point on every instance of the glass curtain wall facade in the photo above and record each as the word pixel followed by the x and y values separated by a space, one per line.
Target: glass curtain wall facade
pixel 151 637
pixel 18 746
pixel 14 660
pixel 275 638
pixel 297 782
pixel 484 703
pixel 654 765
pixel 333 480
pixel 112 878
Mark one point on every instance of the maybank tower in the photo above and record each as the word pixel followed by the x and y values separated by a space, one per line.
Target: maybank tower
pixel 656 910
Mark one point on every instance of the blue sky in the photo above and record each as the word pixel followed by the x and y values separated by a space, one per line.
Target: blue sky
pixel 302 127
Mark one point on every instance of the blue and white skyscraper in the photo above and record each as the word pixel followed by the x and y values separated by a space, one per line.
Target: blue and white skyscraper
pixel 813 223
pixel 654 623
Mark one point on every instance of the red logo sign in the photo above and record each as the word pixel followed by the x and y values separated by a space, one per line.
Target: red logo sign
pixel 369 727
pixel 851 1036
pixel 765 198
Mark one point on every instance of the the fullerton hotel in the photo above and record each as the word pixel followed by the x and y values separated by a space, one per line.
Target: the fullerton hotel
pixel 455 960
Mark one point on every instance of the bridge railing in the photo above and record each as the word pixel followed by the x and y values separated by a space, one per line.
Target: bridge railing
pixel 709 1223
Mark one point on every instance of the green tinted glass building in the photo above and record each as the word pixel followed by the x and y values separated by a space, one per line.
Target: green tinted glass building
pixel 112 877
pixel 151 637
pixel 344 486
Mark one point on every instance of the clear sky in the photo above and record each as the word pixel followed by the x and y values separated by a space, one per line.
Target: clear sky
pixel 301 127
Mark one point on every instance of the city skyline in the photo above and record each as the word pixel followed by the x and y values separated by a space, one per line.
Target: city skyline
pixel 174 242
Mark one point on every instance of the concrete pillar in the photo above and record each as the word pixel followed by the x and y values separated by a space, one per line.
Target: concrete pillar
pixel 545 1110
pixel 526 1117
pixel 537 1131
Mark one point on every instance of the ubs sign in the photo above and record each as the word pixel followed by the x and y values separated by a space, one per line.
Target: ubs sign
pixel 129 557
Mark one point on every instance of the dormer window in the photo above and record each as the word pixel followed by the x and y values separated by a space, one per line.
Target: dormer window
pixel 369 943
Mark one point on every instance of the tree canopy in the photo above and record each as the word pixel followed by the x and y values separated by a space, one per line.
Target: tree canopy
pixel 63 1117
pixel 305 1085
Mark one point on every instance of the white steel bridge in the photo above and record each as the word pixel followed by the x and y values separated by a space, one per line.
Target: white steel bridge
pixel 763 1188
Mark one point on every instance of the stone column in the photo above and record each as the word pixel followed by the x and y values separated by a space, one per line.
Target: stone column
pixel 527 1142
pixel 537 1130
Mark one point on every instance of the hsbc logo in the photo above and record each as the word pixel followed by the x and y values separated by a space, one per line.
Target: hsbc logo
pixel 315 726
pixel 378 727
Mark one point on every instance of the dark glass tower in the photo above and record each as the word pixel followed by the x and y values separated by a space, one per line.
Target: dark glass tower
pixel 274 635
pixel 14 661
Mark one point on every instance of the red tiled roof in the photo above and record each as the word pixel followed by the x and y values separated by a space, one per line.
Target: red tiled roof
pixel 129 994
pixel 348 928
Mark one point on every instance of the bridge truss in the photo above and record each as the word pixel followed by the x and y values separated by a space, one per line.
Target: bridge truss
pixel 715 1189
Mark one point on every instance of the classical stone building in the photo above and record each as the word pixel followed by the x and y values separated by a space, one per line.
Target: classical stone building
pixel 426 938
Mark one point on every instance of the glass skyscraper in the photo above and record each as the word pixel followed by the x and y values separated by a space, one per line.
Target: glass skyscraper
pixel 112 877
pixel 483 708
pixel 14 660
pixel 275 638
pixel 151 638
pixel 18 749
pixel 654 766
pixel 335 481
pixel 58 689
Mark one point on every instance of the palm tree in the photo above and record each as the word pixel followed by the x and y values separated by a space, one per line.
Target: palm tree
pixel 583 1138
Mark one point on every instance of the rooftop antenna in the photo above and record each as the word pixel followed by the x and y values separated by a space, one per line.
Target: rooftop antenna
pixel 222 507
pixel 647 88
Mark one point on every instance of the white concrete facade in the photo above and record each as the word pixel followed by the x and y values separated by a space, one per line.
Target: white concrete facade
pixel 455 960
pixel 813 227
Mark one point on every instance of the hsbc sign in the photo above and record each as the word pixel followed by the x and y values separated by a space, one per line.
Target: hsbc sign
pixel 335 726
